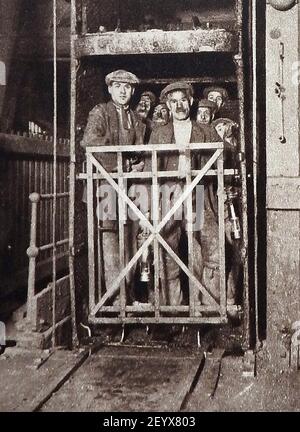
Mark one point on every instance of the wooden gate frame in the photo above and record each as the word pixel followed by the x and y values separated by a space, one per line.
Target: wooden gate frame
pixel 194 310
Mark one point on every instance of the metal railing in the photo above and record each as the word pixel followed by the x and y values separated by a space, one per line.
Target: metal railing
pixel 61 247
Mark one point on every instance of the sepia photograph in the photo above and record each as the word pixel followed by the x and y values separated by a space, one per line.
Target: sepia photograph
pixel 150 209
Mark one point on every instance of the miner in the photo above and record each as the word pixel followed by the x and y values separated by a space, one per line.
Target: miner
pixel 181 130
pixel 144 110
pixel 114 123
pixel 219 96
pixel 146 104
pixel 205 115
pixel 161 115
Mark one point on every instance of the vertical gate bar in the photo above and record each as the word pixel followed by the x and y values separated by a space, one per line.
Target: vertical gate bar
pixel 192 289
pixel 67 189
pixel 36 187
pixel 244 251
pixel 47 215
pixel 99 245
pixel 91 245
pixel 255 137
pixel 60 201
pixel 72 172
pixel 41 191
pixel 50 203
pixel 30 190
pixel 66 205
pixel 155 219
pixel 221 214
pixel 122 221
pixel 44 204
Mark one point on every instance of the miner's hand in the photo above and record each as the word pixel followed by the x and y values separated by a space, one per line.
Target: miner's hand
pixel 144 226
pixel 138 167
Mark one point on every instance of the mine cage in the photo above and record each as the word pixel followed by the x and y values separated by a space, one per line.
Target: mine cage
pixel 110 35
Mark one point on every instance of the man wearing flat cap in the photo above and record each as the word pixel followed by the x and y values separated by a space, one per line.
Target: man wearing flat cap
pixel 114 123
pixel 219 96
pixel 180 130
pixel 206 111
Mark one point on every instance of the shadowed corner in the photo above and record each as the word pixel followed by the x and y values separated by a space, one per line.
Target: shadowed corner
pixel 5 343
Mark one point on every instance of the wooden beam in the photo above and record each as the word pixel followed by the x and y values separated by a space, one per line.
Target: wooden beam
pixel 158 42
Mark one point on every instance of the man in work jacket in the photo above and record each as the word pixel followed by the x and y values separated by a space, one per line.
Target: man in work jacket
pixel 114 123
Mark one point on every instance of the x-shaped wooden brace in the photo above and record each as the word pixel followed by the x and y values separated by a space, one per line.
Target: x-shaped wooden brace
pixel 155 232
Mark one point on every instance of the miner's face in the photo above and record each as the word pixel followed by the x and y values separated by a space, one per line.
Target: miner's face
pixel 204 115
pixel 145 99
pixel 216 97
pixel 161 114
pixel 179 104
pixel 164 112
pixel 221 129
pixel 121 92
pixel 144 106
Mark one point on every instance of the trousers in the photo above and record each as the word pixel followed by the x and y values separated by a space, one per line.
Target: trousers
pixel 111 258
pixel 205 253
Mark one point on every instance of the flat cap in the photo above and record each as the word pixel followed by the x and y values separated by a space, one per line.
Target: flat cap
pixel 179 85
pixel 121 76
pixel 150 94
pixel 221 90
pixel 205 103
pixel 224 120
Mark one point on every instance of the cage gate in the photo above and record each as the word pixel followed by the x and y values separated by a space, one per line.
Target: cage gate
pixel 194 312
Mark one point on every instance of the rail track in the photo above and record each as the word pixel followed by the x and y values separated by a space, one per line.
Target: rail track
pixel 135 374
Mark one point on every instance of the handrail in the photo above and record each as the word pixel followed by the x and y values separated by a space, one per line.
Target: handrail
pixel 33 251
pixel 149 148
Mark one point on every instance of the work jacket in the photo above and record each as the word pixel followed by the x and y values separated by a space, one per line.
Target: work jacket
pixel 103 129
